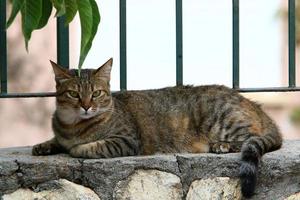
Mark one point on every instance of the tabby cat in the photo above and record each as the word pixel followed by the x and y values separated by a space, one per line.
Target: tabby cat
pixel 92 122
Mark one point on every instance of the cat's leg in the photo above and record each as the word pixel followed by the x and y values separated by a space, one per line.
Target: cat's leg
pixel 219 147
pixel 225 147
pixel 108 148
pixel 47 148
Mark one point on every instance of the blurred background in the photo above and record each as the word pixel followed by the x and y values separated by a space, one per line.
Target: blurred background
pixel 207 58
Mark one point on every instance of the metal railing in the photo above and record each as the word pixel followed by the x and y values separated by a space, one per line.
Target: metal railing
pixel 63 50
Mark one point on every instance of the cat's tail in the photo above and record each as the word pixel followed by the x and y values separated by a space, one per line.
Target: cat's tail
pixel 252 151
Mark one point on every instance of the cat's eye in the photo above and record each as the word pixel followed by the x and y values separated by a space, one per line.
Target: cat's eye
pixel 97 93
pixel 73 94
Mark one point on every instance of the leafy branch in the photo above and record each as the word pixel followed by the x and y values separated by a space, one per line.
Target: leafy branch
pixel 35 15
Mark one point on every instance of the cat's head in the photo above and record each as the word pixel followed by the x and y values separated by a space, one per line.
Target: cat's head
pixel 83 97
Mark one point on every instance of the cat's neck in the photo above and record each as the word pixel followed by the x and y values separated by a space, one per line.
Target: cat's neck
pixel 66 116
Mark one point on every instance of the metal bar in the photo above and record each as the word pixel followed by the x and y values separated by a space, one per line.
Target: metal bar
pixel 179 53
pixel 3 47
pixel 28 95
pixel 235 44
pixel 62 42
pixel 123 47
pixel 244 90
pixel 271 89
pixel 292 43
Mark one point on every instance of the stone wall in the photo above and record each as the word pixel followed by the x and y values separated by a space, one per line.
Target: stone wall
pixel 179 176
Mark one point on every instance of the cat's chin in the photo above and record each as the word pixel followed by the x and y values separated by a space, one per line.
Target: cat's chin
pixel 88 116
pixel 85 117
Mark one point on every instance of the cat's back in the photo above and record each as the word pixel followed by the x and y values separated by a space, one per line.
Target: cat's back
pixel 176 103
pixel 173 97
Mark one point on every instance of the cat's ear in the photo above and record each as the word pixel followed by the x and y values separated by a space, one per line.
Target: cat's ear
pixel 60 73
pixel 104 71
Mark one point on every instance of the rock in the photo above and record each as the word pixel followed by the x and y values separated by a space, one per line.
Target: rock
pixel 103 174
pixel 54 190
pixel 149 185
pixel 294 197
pixel 278 175
pixel 215 188
pixel 20 167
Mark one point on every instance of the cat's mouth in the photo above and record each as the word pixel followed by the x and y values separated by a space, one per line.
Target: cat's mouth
pixel 86 114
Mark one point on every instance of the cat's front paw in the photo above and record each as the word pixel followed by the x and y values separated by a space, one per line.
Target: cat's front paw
pixel 41 149
pixel 76 152
pixel 88 150
pixel 81 151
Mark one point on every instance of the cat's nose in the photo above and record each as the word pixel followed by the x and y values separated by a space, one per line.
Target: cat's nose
pixel 86 107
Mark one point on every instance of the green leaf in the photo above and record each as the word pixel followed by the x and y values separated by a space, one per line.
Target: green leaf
pixel 16 7
pixel 31 14
pixel 96 21
pixel 60 7
pixel 36 13
pixel 86 21
pixel 46 12
pixel 89 20
pixel 71 10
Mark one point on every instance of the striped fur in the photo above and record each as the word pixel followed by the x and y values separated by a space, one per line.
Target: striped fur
pixel 90 122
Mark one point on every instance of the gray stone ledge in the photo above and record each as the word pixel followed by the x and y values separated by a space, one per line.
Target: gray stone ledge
pixel 279 172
